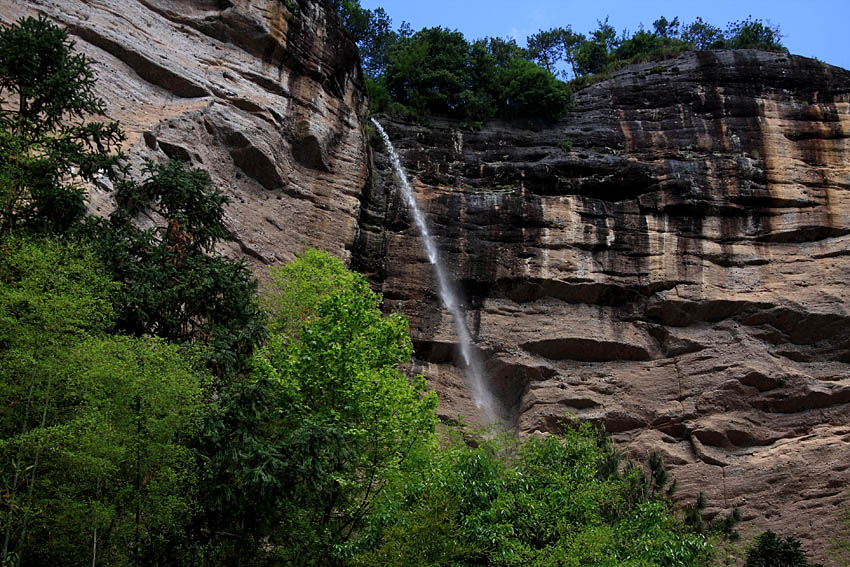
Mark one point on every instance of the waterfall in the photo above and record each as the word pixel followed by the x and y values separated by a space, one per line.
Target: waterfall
pixel 473 367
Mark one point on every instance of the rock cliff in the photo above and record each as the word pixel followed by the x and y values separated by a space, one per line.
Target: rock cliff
pixel 670 260
pixel 266 95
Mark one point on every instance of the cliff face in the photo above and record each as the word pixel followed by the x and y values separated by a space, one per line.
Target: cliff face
pixel 265 95
pixel 670 260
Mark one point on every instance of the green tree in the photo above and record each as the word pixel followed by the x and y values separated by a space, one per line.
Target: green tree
pixel 371 30
pixel 702 35
pixel 666 28
pixel 93 433
pixel 771 550
pixel 428 72
pixel 49 146
pixel 754 34
pixel 376 44
pixel 437 72
pixel 525 91
pixel 641 43
pixel 176 285
pixel 50 296
pixel 295 291
pixel 594 54
pixel 326 421
pixel 571 42
pixel 132 407
pixel 546 48
pixel 549 47
pixel 543 502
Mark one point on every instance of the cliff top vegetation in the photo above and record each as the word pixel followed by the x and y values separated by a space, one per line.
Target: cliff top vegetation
pixel 438 72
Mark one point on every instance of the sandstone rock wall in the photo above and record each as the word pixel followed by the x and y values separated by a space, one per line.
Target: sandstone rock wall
pixel 671 260
pixel 266 95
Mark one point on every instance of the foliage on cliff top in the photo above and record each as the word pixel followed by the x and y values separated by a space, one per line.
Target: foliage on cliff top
pixel 580 56
pixel 436 71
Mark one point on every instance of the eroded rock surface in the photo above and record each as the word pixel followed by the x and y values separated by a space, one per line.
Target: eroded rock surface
pixel 266 95
pixel 671 261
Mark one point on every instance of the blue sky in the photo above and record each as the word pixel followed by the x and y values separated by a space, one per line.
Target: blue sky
pixel 818 29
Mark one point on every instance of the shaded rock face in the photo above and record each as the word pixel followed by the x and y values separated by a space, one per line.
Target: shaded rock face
pixel 265 95
pixel 671 261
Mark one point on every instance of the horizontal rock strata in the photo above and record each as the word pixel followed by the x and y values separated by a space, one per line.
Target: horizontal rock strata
pixel 670 261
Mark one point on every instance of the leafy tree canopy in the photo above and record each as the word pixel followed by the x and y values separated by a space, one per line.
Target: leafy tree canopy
pixel 49 145
pixel 771 550
pixel 326 420
pixel 543 502
pixel 753 34
pixel 371 30
pixel 437 72
pixel 603 49
pixel 176 285
pixel 94 461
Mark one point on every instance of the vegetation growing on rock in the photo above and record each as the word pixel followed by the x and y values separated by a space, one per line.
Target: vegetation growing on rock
pixel 771 550
pixel 438 72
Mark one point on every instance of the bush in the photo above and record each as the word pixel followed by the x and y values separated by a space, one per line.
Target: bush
pixel 553 501
pixel 771 550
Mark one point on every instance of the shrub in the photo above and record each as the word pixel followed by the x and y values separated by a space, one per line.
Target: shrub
pixel 553 501
pixel 771 550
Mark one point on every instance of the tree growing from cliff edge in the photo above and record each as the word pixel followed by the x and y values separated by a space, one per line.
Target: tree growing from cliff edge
pixel 49 146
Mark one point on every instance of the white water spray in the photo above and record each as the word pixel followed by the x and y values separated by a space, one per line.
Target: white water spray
pixel 484 399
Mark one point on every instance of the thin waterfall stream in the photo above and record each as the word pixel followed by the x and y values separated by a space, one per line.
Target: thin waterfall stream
pixel 473 367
